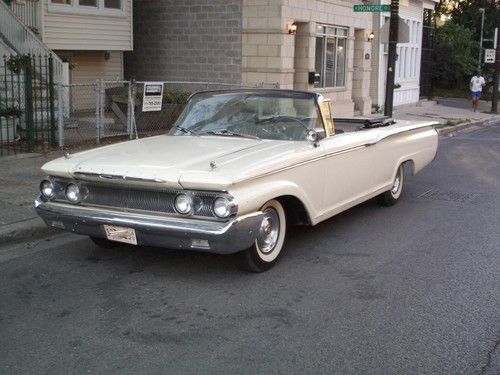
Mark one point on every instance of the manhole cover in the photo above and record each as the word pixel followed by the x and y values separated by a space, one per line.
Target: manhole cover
pixel 451 196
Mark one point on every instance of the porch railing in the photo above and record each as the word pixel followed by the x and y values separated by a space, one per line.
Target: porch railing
pixel 21 39
pixel 28 12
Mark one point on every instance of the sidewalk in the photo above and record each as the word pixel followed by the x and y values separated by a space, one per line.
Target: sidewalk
pixel 21 174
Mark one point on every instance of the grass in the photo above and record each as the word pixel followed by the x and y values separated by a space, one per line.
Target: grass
pixel 453 122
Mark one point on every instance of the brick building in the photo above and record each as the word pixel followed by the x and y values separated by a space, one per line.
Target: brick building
pixel 257 41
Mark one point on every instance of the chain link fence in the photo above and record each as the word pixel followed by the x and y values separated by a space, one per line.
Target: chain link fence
pixel 104 112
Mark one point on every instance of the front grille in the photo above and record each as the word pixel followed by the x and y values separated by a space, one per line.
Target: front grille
pixel 136 198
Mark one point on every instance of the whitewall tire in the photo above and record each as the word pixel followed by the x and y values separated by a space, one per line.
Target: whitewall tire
pixel 264 253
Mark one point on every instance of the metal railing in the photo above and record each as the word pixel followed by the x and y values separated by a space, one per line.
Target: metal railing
pixel 28 11
pixel 22 40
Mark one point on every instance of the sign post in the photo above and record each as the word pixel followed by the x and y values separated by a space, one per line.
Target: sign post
pixel 391 58
pixel 496 76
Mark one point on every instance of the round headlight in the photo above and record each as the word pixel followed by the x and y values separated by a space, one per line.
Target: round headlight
pixel 183 204
pixel 73 193
pixel 47 189
pixel 222 207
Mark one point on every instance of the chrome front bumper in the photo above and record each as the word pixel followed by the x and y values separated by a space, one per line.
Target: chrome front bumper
pixel 152 230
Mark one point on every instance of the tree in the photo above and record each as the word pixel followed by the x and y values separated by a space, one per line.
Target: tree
pixel 455 59
pixel 466 13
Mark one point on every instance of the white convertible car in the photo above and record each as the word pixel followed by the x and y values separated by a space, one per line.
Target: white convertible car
pixel 236 170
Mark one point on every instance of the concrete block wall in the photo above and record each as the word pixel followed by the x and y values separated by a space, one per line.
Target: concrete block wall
pixel 192 40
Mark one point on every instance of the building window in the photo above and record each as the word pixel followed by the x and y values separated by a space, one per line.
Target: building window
pixel 331 55
pixel 88 3
pixel 113 4
pixel 89 7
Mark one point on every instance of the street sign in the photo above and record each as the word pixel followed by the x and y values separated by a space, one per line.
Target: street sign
pixel 153 95
pixel 371 8
pixel 489 56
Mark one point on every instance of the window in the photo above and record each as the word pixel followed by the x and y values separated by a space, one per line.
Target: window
pixel 113 4
pixel 88 3
pixel 331 55
pixel 89 7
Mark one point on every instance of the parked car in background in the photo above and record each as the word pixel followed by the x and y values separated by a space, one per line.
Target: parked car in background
pixel 237 169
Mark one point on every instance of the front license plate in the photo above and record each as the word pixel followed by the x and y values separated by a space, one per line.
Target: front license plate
pixel 120 234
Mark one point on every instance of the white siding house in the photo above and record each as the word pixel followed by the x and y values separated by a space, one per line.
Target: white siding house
pixel 407 74
pixel 90 34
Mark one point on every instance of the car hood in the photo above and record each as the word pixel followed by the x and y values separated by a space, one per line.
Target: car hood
pixel 204 162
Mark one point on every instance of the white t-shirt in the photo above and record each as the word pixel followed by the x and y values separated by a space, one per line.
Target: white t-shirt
pixel 477 83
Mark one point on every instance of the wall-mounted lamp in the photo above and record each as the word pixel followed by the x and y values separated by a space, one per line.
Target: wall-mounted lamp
pixel 292 28
pixel 107 55
pixel 371 36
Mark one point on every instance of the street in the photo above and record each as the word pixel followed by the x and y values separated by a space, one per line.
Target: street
pixel 410 289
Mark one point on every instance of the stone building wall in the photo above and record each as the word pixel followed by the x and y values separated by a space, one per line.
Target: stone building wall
pixel 192 40
pixel 272 55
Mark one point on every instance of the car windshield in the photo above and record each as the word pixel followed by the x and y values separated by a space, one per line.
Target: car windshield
pixel 258 115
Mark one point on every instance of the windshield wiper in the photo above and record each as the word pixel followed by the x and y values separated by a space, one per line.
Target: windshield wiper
pixel 276 118
pixel 228 133
pixel 187 131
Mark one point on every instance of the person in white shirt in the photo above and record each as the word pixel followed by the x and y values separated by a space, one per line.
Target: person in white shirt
pixel 476 87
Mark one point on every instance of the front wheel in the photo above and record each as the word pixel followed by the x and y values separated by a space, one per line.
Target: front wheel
pixel 391 197
pixel 264 253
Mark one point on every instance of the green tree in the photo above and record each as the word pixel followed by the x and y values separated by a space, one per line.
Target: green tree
pixel 455 58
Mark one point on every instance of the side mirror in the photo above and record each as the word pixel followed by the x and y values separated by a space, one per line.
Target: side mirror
pixel 313 137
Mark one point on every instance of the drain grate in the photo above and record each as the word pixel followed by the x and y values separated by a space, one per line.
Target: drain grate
pixel 450 196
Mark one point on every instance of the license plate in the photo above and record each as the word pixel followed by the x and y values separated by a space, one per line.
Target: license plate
pixel 120 234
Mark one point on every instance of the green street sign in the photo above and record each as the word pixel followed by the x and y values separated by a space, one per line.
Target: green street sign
pixel 371 8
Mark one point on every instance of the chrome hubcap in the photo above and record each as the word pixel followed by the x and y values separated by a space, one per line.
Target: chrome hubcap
pixel 395 186
pixel 269 231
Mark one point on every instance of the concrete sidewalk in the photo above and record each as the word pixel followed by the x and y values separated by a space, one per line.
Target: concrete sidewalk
pixel 21 174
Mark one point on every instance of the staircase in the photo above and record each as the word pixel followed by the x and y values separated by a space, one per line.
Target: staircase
pixel 22 37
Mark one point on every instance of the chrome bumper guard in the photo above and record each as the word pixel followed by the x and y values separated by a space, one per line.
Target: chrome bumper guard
pixel 152 230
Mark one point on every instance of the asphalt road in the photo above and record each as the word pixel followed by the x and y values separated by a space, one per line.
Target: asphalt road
pixel 411 289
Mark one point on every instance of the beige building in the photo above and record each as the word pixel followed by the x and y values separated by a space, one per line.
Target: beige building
pixel 287 41
pixel 90 35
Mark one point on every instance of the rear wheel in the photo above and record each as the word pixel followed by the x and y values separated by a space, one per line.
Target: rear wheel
pixel 391 197
pixel 265 251
pixel 104 243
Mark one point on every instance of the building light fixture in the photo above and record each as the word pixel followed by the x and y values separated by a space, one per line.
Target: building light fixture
pixel 292 28
pixel 371 36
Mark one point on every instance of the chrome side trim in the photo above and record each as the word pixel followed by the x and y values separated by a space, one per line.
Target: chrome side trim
pixel 325 156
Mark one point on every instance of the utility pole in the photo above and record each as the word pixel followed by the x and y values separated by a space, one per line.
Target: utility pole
pixel 496 75
pixel 481 10
pixel 391 58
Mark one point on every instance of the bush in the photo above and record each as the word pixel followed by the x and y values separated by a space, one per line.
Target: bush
pixel 174 96
pixel 455 58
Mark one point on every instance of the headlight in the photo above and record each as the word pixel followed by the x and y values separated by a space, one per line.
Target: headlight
pixel 222 207
pixel 183 204
pixel 73 193
pixel 47 189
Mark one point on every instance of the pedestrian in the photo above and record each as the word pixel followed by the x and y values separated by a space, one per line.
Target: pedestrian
pixel 476 87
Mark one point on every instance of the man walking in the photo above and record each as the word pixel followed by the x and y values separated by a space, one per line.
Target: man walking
pixel 476 87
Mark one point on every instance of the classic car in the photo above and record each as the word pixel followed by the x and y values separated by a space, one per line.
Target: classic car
pixel 237 168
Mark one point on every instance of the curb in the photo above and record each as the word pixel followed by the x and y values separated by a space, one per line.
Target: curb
pixel 26 230
pixel 455 128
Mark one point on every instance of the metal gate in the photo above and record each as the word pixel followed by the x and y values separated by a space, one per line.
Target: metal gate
pixel 27 104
